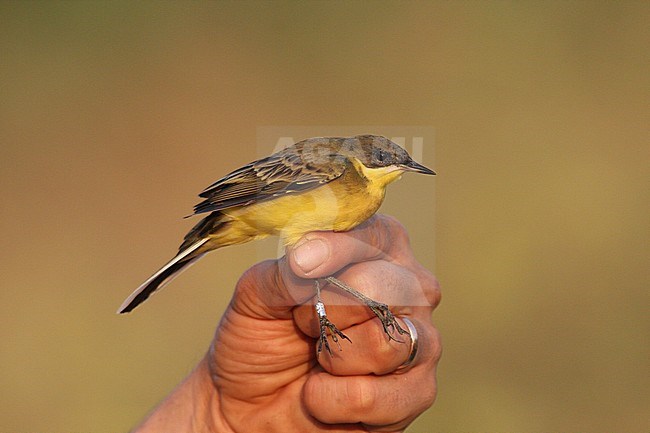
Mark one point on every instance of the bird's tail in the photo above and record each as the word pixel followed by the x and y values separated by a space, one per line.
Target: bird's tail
pixel 186 257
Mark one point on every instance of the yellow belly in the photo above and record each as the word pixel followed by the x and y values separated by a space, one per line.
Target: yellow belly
pixel 328 207
pixel 339 205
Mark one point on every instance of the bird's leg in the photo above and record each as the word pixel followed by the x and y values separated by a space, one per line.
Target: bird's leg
pixel 381 310
pixel 325 324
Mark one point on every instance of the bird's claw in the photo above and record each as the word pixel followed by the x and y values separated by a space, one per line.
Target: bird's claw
pixel 387 320
pixel 335 333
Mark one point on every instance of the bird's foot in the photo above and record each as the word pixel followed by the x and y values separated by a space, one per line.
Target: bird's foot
pixel 381 310
pixel 326 325
pixel 387 319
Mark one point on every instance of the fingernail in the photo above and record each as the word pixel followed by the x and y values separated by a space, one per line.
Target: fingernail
pixel 311 254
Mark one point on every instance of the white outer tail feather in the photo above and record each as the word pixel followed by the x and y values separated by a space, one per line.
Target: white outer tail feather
pixel 166 281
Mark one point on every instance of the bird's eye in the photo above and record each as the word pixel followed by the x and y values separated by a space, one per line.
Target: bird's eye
pixel 376 155
pixel 381 155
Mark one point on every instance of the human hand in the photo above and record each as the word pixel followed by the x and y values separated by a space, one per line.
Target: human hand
pixel 262 374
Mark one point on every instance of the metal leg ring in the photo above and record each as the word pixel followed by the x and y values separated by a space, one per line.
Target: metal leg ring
pixel 413 349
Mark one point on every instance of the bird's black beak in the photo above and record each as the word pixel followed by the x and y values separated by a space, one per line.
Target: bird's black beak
pixel 418 168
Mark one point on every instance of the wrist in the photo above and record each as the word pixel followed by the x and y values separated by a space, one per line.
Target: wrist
pixel 193 406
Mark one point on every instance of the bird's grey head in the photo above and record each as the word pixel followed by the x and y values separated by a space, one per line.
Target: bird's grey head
pixel 376 151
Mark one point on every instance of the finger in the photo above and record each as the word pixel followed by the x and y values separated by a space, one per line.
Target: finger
pixel 270 290
pixel 385 282
pixel 258 324
pixel 373 400
pixel 373 353
pixel 321 254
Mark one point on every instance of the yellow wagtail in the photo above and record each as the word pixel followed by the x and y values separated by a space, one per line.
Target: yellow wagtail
pixel 319 184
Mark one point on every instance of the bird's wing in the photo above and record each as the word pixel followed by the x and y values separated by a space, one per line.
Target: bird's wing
pixel 287 172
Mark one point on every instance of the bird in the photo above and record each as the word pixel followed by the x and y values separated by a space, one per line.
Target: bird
pixel 318 184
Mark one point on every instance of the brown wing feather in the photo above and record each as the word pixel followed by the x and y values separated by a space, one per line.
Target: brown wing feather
pixel 295 169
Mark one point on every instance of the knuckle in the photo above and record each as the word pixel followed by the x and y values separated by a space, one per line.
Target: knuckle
pixel 429 394
pixel 391 231
pixel 252 276
pixel 315 396
pixel 379 359
pixel 436 346
pixel 381 234
pixel 431 286
pixel 360 396
pixel 248 279
pixel 263 285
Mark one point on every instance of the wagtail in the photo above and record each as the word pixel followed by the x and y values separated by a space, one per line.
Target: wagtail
pixel 319 184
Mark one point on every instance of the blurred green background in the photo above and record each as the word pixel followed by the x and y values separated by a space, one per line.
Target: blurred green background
pixel 114 115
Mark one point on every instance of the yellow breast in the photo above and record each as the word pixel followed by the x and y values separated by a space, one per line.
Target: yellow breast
pixel 339 205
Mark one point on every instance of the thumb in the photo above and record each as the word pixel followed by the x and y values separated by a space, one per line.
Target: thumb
pixel 270 290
